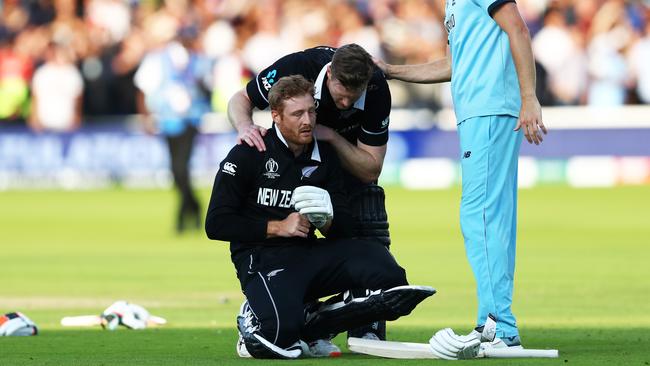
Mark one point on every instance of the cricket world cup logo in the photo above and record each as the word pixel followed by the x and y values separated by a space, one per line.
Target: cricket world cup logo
pixel 271 169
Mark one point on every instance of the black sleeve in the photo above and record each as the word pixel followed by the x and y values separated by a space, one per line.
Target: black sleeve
pixel 493 7
pixel 342 221
pixel 374 128
pixel 234 181
pixel 258 88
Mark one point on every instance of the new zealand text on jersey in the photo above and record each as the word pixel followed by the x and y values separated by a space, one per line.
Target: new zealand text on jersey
pixel 274 197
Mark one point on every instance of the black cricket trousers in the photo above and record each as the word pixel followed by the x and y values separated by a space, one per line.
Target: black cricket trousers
pixel 180 151
pixel 279 280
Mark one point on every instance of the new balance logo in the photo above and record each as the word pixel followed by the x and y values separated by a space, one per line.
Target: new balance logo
pixel 467 154
pixel 273 273
pixel 229 168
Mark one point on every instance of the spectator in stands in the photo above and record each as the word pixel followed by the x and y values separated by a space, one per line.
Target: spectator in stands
pixel 354 29
pixel 56 92
pixel 583 44
pixel 610 35
pixel 268 43
pixel 15 72
pixel 566 65
pixel 639 60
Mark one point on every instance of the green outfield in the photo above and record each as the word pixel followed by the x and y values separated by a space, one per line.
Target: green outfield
pixel 582 280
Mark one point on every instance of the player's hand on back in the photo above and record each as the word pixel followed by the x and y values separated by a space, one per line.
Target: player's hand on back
pixel 530 120
pixel 252 135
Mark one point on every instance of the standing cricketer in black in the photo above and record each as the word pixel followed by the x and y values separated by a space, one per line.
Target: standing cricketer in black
pixel 353 106
pixel 280 263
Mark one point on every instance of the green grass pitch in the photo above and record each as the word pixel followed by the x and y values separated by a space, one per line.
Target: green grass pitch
pixel 582 282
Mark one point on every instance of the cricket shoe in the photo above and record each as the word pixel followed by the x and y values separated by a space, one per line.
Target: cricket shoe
pixel 241 346
pixel 486 333
pixel 320 348
pixel 371 336
pixel 254 342
pixel 500 343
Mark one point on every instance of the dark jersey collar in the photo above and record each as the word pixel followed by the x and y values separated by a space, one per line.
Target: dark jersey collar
pixel 313 152
pixel 320 88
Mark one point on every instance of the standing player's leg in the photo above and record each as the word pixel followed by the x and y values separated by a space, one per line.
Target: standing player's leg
pixel 506 147
pixel 489 150
pixel 180 151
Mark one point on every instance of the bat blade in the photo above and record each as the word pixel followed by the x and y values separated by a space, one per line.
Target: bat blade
pixel 81 321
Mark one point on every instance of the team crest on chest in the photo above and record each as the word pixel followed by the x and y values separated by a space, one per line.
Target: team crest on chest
pixel 271 167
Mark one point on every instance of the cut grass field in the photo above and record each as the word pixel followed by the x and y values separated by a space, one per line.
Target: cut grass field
pixel 581 286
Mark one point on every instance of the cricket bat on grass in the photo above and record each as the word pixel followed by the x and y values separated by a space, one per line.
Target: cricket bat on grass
pixel 407 350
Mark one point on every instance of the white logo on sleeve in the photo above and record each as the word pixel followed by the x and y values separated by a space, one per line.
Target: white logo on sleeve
pixel 385 122
pixel 229 168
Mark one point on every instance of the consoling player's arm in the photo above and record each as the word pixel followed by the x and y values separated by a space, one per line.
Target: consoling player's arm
pixel 256 94
pixel 240 115
pixel 341 226
pixel 436 71
pixel 363 161
pixel 530 117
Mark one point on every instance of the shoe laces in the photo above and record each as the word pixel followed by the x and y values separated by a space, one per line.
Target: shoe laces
pixel 251 325
pixel 320 342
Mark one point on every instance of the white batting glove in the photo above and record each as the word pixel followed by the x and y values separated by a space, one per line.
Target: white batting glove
pixel 17 324
pixel 130 315
pixel 448 345
pixel 314 203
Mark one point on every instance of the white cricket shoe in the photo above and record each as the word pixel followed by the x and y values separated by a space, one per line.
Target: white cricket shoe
pixel 507 342
pixel 371 336
pixel 241 348
pixel 244 311
pixel 320 348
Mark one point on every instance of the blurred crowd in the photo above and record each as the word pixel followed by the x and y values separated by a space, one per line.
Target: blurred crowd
pixel 62 61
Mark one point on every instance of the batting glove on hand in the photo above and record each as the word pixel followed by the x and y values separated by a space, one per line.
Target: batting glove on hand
pixel 448 345
pixel 314 203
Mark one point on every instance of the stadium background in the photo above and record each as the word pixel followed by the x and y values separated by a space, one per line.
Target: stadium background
pixel 86 213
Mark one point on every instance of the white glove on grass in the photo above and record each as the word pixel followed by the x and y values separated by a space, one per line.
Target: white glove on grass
pixel 121 312
pixel 314 203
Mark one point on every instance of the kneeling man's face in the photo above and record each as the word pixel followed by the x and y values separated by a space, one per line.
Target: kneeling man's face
pixel 297 120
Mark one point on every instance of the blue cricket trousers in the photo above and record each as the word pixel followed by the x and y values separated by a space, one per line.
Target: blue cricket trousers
pixel 488 212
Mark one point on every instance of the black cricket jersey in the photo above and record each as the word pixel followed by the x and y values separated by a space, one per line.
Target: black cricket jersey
pixel 252 188
pixel 367 120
